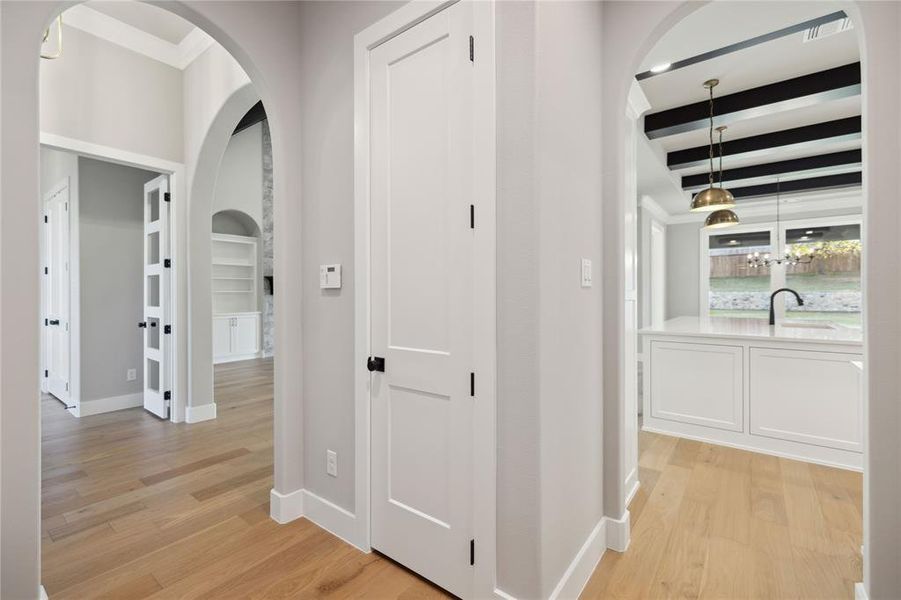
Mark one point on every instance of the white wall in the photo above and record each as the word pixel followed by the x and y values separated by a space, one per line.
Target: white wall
pixel 683 255
pixel 239 185
pixel 103 93
pixel 111 258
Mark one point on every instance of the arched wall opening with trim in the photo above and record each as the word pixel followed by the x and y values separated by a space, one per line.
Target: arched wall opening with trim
pixel 250 38
pixel 630 32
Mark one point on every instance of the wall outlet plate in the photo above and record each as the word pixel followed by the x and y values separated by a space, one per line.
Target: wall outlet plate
pixel 586 272
pixel 131 375
pixel 331 463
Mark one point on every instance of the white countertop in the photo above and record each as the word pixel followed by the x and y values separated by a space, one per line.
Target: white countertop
pixel 758 329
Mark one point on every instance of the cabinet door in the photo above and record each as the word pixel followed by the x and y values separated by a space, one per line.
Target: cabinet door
pixel 247 334
pixel 809 397
pixel 222 332
pixel 701 384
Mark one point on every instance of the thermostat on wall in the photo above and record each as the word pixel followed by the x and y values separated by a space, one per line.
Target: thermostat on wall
pixel 329 277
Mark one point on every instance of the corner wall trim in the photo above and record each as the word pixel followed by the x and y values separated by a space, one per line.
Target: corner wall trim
pixel 580 569
pixel 42 594
pixel 284 508
pixel 860 591
pixel 87 408
pixel 631 486
pixel 619 532
pixel 204 412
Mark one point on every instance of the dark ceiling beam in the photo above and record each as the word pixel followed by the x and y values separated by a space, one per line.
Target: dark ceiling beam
pixel 811 184
pixel 794 166
pixel 745 44
pixel 255 115
pixel 790 94
pixel 811 136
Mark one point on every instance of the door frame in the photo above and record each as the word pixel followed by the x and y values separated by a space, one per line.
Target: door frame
pixel 177 215
pixel 485 339
pixel 63 184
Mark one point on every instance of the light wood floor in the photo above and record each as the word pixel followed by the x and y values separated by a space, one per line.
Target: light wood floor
pixel 715 522
pixel 135 507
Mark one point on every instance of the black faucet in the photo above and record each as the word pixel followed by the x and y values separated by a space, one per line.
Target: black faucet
pixel 773 297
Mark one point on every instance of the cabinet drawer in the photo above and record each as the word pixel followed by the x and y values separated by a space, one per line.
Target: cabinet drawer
pixel 806 396
pixel 700 384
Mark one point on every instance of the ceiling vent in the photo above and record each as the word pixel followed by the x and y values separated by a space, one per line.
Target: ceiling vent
pixel 819 32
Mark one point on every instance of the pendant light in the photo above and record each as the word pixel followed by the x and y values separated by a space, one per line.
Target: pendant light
pixel 723 217
pixel 712 198
pixel 789 258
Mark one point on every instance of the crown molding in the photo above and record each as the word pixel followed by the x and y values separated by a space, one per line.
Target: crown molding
pixel 791 205
pixel 126 36
pixel 649 204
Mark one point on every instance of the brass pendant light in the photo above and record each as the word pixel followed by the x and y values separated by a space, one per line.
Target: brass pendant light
pixel 712 198
pixel 723 217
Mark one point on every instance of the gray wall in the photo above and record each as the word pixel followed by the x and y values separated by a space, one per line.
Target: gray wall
pixel 326 37
pixel 128 101
pixel 111 221
pixel 683 256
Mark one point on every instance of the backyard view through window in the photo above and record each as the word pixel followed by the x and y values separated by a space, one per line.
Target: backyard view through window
pixel 829 283
pixel 737 290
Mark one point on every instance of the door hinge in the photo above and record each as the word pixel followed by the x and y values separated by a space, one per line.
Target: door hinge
pixel 472 384
pixel 67 387
pixel 472 49
pixel 46 322
pixel 45 219
pixel 46 373
pixel 167 263
pixel 167 395
pixel 167 329
pixel 167 197
pixel 46 271
pixel 472 216
pixel 472 552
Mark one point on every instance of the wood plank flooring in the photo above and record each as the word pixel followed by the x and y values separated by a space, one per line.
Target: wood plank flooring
pixel 715 522
pixel 134 507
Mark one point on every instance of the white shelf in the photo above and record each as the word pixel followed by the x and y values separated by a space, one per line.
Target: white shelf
pixel 231 263
pixel 235 274
pixel 233 278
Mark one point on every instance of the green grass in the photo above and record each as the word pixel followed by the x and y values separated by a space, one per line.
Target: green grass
pixel 806 282
pixel 843 318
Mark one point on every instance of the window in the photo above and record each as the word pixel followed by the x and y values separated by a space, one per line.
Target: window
pixel 737 290
pixel 830 284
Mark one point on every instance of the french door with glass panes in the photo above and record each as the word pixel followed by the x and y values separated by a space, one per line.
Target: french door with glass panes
pixel 156 324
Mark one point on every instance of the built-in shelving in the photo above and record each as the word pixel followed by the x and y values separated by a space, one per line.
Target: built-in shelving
pixel 234 274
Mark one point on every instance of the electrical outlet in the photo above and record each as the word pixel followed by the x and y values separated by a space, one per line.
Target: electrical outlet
pixel 131 375
pixel 331 463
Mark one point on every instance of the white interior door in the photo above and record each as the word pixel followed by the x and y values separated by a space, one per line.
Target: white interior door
pixel 421 176
pixel 56 291
pixel 156 324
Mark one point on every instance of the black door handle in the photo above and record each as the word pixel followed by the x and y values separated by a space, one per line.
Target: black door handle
pixel 142 324
pixel 376 363
pixel 53 321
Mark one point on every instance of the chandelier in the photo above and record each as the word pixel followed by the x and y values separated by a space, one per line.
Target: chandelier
pixel 716 199
pixel 789 258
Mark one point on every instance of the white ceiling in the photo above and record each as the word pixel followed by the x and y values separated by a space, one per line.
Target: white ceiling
pixel 720 24
pixel 146 17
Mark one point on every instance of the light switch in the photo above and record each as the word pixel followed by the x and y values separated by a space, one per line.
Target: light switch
pixel 586 272
pixel 329 277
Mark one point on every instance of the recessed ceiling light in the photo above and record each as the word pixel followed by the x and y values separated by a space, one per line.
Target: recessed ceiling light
pixel 733 241
pixel 804 238
pixel 809 232
pixel 661 67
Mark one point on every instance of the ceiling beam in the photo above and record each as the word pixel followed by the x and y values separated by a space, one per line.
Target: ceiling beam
pixel 790 94
pixel 846 159
pixel 826 182
pixel 758 145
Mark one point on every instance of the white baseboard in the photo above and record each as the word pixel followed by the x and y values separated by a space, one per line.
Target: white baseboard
pixel 204 412
pixel 583 565
pixel 87 408
pixel 860 592
pixel 632 485
pixel 332 518
pixel 284 508
pixel 42 594
pixel 619 532
pixel 218 360
pixel 502 595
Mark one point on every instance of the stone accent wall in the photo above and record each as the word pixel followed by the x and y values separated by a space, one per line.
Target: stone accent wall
pixel 838 301
pixel 268 300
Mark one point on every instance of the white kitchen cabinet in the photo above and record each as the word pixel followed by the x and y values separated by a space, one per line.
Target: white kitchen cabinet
pixel 236 337
pixel 808 397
